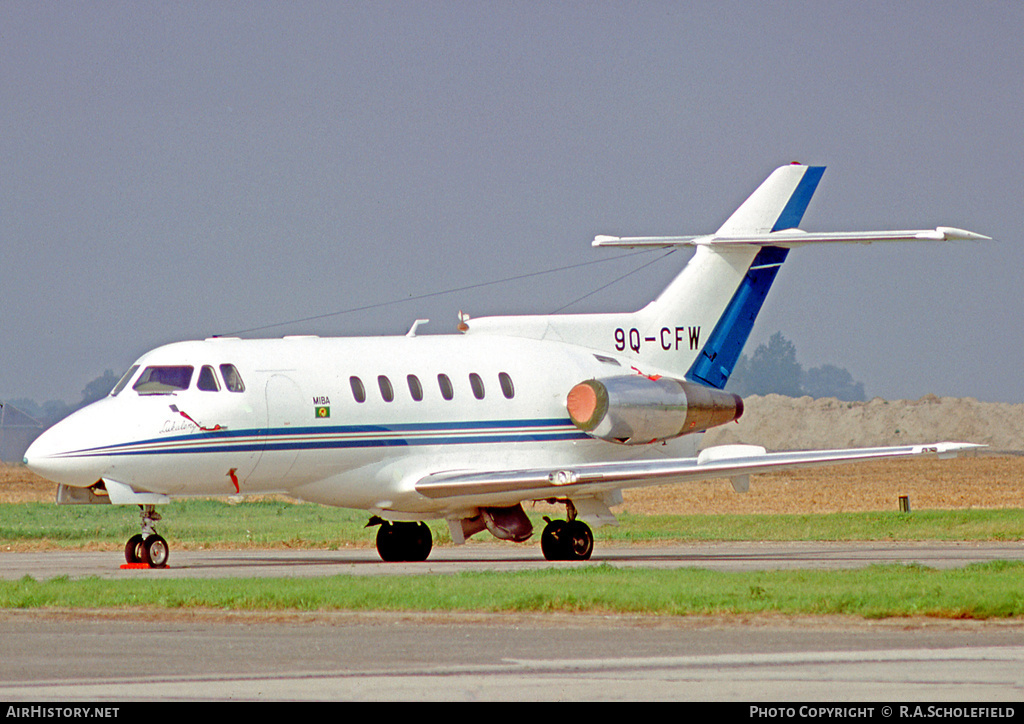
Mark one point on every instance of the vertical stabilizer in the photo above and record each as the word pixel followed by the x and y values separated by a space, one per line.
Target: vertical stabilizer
pixel 778 204
pixel 719 293
pixel 697 326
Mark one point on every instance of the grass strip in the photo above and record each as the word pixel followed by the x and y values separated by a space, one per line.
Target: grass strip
pixel 978 591
pixel 272 523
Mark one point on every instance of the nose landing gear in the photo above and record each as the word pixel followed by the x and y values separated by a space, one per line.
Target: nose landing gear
pixel 147 547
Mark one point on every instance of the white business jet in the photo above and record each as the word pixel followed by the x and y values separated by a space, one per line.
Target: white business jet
pixel 466 427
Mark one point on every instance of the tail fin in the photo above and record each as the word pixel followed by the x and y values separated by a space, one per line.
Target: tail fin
pixel 697 326
pixel 722 288
pixel 778 204
pixel 758 214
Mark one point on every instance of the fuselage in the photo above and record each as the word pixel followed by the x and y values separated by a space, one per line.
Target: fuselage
pixel 353 422
pixel 565 408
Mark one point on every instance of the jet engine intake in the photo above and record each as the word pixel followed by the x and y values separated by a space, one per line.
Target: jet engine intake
pixel 635 410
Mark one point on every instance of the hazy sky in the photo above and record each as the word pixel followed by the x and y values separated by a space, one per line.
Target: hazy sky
pixel 172 170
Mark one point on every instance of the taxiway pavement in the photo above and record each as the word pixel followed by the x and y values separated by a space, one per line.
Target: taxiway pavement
pixel 209 656
pixel 727 556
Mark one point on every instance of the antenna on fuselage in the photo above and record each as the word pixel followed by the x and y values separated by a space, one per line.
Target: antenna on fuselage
pixel 415 325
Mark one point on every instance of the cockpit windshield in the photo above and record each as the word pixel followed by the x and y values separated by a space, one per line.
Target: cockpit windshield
pixel 123 382
pixel 163 380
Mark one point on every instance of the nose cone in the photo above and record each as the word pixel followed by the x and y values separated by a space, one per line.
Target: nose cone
pixel 61 453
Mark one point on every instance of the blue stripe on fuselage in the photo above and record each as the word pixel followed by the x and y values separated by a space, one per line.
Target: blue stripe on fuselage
pixel 347 436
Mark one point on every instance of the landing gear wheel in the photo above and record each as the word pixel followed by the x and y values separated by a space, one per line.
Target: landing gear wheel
pixel 552 540
pixel 157 551
pixel 134 551
pixel 567 540
pixel 387 543
pixel 409 542
pixel 420 542
pixel 147 547
pixel 579 541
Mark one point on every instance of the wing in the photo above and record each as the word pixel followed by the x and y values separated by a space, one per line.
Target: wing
pixel 598 480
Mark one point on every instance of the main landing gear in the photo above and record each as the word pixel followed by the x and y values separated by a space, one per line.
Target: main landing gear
pixel 562 540
pixel 567 540
pixel 409 542
pixel 147 547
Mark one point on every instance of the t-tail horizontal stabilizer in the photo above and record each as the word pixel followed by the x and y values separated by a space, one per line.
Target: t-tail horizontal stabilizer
pixel 794 237
pixel 754 241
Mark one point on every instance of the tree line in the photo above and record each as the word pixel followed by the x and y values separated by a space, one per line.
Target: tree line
pixel 772 368
pixel 51 411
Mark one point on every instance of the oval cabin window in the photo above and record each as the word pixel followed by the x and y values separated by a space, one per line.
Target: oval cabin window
pixel 446 386
pixel 415 388
pixel 386 390
pixel 477 384
pixel 507 387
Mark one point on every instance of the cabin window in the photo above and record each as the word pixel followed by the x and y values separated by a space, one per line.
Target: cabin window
pixel 446 386
pixel 163 380
pixel 358 391
pixel 386 390
pixel 477 384
pixel 415 388
pixel 507 388
pixel 232 380
pixel 123 382
pixel 207 379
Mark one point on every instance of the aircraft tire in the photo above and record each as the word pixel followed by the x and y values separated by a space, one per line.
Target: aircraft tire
pixel 134 551
pixel 420 542
pixel 404 542
pixel 157 551
pixel 567 541
pixel 552 541
pixel 388 547
pixel 579 542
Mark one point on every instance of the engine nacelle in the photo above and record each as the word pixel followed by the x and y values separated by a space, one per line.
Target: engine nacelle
pixel 635 410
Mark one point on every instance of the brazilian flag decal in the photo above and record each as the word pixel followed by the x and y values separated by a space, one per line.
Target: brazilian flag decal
pixel 323 411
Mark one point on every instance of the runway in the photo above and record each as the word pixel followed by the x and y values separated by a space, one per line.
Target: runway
pixel 210 656
pixel 388 657
pixel 720 556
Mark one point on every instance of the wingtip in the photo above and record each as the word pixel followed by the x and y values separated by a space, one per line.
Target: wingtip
pixel 951 233
pixel 950 449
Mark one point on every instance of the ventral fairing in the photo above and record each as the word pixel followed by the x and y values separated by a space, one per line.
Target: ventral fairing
pixel 465 427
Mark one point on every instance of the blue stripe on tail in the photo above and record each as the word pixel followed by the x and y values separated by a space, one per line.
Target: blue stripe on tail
pixel 715 362
pixel 797 204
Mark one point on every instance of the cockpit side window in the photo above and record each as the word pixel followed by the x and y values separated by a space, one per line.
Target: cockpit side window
pixel 123 382
pixel 207 379
pixel 232 380
pixel 163 379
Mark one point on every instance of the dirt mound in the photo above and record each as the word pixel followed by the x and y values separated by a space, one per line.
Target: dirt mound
pixel 803 423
